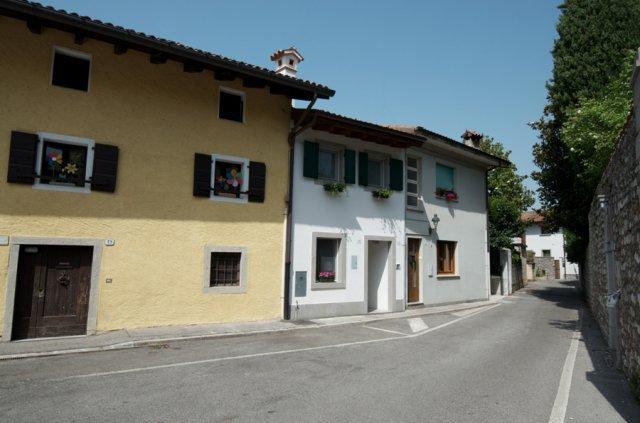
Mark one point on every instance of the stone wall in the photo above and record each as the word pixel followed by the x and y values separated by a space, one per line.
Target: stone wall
pixel 619 186
pixel 545 264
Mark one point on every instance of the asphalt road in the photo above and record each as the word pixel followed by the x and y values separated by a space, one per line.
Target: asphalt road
pixel 499 363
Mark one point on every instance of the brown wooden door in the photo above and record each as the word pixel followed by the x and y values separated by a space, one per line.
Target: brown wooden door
pixel 52 291
pixel 413 270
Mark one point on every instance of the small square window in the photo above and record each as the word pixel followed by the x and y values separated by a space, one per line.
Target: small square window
pixel 231 106
pixel 546 253
pixel 225 269
pixel 447 257
pixel 328 164
pixel 71 70
pixel 228 179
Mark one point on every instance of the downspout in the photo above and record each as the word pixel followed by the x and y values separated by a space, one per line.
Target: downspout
pixel 613 293
pixel 488 254
pixel 295 130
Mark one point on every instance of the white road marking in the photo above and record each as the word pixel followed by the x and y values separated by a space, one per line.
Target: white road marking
pixel 564 387
pixel 417 324
pixel 265 354
pixel 467 312
pixel 385 330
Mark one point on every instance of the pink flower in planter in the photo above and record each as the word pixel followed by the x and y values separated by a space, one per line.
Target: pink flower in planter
pixel 450 196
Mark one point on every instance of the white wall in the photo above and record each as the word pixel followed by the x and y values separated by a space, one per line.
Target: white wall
pixel 463 221
pixel 355 214
pixel 536 241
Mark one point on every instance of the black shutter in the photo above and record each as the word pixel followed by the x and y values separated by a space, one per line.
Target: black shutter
pixel 395 175
pixel 257 181
pixel 105 168
pixel 22 158
pixel 202 175
pixel 310 164
pixel 363 169
pixel 349 167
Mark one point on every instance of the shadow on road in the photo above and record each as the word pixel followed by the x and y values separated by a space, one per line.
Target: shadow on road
pixel 609 381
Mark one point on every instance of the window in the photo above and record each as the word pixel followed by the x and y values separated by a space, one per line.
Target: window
pixel 413 182
pixel 447 257
pixel 546 253
pixel 328 261
pixel 64 163
pixel 330 162
pixel 444 178
pixel 230 177
pixel 377 170
pixel 225 269
pixel 71 69
pixel 231 106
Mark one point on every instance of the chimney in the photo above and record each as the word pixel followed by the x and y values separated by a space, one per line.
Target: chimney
pixel 287 61
pixel 472 138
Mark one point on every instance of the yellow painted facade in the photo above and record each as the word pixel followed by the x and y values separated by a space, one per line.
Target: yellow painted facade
pixel 158 116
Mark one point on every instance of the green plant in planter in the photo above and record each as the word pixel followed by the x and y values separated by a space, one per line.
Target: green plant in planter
pixel 335 188
pixel 382 193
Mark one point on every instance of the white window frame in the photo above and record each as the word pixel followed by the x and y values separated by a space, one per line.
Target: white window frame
pixel 209 249
pixel 384 164
pixel 341 262
pixel 65 139
pixel 245 180
pixel 416 181
pixel 72 53
pixel 244 103
pixel 338 150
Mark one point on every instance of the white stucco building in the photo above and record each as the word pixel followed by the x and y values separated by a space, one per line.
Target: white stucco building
pixel 353 253
pixel 545 243
pixel 446 220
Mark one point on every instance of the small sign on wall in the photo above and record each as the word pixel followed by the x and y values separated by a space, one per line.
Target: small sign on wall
pixel 4 240
pixel 354 262
pixel 109 242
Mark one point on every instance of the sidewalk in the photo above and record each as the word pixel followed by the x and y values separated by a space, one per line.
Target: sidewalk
pixel 132 338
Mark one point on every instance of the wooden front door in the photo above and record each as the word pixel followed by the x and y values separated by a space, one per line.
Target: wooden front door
pixel 52 291
pixel 413 270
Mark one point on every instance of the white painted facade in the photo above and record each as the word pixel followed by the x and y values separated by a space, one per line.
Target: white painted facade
pixel 538 242
pixel 463 221
pixel 372 232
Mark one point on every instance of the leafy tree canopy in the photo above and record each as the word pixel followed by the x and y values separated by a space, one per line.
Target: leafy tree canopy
pixel 508 197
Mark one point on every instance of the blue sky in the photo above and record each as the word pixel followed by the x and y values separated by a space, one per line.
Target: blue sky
pixel 445 65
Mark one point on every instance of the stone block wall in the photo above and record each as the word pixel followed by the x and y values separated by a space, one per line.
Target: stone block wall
pixel 620 186
pixel 546 264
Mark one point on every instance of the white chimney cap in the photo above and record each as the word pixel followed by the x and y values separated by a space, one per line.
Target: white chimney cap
pixel 287 61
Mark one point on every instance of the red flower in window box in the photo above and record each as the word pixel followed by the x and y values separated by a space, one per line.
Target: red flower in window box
pixel 447 194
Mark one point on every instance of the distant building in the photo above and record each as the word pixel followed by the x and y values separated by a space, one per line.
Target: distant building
pixel 546 255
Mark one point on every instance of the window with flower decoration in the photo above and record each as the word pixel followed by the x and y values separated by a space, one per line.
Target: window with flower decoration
pixel 64 163
pixel 229 178
pixel 328 261
pixel 445 182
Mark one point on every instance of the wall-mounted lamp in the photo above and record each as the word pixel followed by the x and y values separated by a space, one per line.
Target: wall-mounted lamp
pixel 435 220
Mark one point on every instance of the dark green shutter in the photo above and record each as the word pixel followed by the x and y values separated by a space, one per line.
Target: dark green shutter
pixel 257 181
pixel 349 167
pixel 363 169
pixel 310 166
pixel 395 175
pixel 202 175
pixel 105 168
pixel 22 158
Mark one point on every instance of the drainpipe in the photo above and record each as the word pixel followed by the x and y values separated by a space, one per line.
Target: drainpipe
pixel 613 294
pixel 488 255
pixel 295 130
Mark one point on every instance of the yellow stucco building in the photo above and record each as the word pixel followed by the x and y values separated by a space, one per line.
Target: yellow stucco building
pixel 146 181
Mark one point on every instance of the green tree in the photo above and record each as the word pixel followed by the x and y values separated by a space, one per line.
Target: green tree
pixel 594 38
pixel 508 197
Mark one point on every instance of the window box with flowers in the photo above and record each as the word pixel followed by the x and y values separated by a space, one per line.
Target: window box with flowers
pixel 335 188
pixel 382 193
pixel 448 195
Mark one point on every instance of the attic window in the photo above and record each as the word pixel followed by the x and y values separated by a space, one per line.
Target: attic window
pixel 231 105
pixel 71 69
pixel 291 62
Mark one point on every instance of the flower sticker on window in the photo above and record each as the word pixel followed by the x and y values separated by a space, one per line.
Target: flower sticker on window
pixel 228 180
pixel 54 158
